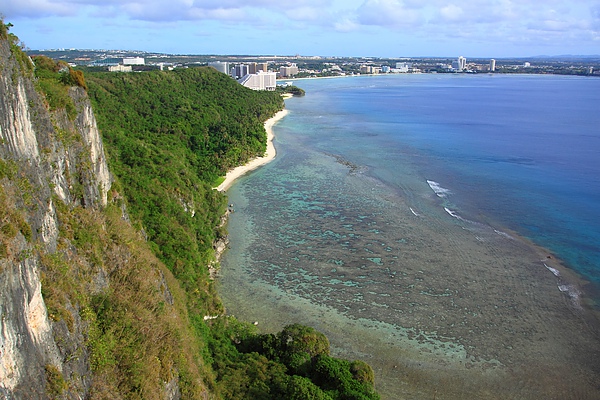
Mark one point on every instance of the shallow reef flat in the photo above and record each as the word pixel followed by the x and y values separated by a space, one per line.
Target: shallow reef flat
pixel 441 305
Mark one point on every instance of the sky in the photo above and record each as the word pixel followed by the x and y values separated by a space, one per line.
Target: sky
pixel 357 28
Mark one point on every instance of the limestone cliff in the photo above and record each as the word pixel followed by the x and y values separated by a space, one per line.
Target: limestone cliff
pixel 87 311
pixel 45 157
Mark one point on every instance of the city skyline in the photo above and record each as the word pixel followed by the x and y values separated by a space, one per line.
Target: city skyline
pixel 375 28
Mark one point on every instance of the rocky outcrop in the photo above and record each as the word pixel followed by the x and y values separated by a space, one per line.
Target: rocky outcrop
pixel 49 157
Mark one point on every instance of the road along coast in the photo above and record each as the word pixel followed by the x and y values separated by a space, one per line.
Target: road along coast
pixel 235 173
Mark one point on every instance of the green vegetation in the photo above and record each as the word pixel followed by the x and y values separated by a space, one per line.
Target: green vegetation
pixel 54 80
pixel 55 383
pixel 138 339
pixel 138 292
pixel 16 48
pixel 4 28
pixel 291 89
pixel 12 219
pixel 293 364
pixel 170 136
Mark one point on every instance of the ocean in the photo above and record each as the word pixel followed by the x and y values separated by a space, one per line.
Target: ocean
pixel 444 228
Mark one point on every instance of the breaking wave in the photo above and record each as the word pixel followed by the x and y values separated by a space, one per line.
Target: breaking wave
pixel 553 270
pixel 438 190
pixel 573 293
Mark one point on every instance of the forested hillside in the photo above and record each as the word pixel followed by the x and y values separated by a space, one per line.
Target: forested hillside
pixel 170 136
pixel 104 260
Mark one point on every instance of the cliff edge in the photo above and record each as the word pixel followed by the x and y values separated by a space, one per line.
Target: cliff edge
pixel 86 309
pixel 45 157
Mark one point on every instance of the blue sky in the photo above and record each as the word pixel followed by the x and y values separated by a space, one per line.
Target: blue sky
pixel 372 28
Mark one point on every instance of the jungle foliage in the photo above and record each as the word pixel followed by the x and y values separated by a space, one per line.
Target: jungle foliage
pixel 142 290
pixel 169 137
pixel 293 364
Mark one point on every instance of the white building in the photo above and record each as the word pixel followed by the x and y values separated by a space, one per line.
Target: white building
pixel 462 63
pixel 260 81
pixel 220 66
pixel 492 65
pixel 402 67
pixel 133 61
pixel 119 68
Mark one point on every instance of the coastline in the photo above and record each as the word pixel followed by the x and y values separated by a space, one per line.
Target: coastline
pixel 270 154
pixel 432 302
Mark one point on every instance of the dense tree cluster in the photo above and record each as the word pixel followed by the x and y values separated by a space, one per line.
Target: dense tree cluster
pixel 293 364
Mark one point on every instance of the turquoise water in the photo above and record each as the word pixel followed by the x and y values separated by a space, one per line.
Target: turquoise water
pixel 392 219
pixel 522 150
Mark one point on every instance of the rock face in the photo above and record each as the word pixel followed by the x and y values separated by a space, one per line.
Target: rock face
pixel 50 156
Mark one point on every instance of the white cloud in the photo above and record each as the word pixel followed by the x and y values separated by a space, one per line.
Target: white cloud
pixel 471 22
pixel 452 12
pixel 595 20
pixel 159 10
pixel 346 25
pixel 36 8
pixel 391 13
pixel 304 14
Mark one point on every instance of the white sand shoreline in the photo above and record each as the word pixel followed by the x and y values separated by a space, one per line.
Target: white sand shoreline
pixel 235 173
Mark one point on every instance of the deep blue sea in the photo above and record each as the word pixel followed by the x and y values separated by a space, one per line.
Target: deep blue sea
pixel 522 151
pixel 429 225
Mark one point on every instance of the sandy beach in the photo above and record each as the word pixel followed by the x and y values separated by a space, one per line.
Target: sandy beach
pixel 258 161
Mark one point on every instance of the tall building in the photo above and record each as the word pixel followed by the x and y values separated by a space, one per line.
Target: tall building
pixel 240 71
pixel 260 81
pixel 403 67
pixel 220 66
pixel 252 68
pixel 262 66
pixel 462 63
pixel 492 65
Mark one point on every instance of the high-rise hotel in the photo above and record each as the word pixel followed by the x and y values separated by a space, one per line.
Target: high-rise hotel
pixel 462 63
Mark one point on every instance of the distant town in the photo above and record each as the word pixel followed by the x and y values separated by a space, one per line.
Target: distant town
pixel 266 72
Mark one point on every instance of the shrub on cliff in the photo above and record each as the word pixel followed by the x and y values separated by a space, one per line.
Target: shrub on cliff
pixel 53 86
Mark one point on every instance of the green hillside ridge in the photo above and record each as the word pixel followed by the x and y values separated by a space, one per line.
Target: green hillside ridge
pixel 169 136
pixel 132 277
